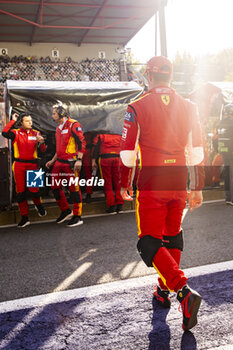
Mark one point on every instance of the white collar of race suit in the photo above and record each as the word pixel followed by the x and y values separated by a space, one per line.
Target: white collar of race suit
pixel 61 125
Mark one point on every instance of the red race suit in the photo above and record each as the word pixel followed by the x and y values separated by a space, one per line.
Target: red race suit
pixel 87 157
pixel 25 158
pixel 165 129
pixel 69 141
pixel 107 147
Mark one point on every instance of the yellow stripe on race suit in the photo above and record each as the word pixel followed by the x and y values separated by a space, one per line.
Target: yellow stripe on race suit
pixel 137 214
pixel 13 170
pixel 71 147
pixel 137 194
pixel 16 150
pixel 76 174
pixel 161 276
pixel 101 172
pixel 80 209
pixel 80 206
pixel 140 157
pixel 35 154
pixel 140 98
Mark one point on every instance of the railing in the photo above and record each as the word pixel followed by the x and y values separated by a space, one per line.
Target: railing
pixel 86 70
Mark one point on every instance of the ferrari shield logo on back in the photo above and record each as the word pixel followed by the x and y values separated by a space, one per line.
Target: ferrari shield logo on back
pixel 165 99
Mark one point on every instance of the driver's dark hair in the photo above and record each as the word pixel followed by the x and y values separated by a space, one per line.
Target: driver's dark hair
pixel 21 116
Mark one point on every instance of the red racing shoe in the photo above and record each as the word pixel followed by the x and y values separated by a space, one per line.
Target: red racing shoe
pixel 190 302
pixel 162 296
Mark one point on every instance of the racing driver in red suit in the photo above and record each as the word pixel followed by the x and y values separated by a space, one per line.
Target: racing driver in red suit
pixel 164 127
pixel 66 163
pixel 25 141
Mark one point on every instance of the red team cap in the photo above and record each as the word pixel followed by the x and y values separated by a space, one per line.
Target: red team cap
pixel 159 64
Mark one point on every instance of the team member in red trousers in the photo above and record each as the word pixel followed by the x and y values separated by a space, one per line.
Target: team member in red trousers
pixel 25 141
pixel 67 162
pixel 107 149
pixel 163 125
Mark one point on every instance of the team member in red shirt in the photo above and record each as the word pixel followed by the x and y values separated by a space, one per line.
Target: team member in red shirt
pixel 107 149
pixel 67 162
pixel 25 141
pixel 163 125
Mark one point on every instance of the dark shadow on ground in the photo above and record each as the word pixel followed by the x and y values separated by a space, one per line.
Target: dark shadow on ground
pixel 188 341
pixel 120 319
pixel 159 337
pixel 36 325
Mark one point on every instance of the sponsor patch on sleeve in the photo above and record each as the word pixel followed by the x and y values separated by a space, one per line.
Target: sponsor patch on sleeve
pixel 78 128
pixel 129 117
pixel 124 133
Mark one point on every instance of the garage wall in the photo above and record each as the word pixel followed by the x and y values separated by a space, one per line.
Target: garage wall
pixel 65 50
